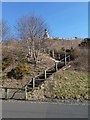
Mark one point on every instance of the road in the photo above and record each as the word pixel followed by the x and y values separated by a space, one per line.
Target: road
pixel 17 109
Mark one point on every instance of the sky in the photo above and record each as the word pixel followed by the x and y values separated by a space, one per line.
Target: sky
pixel 45 0
pixel 65 19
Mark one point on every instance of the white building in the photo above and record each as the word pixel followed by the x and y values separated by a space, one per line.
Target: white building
pixel 46 35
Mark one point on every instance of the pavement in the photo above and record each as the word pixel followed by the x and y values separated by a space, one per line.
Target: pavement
pixel 28 109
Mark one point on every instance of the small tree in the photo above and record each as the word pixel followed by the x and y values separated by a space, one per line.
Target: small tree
pixel 32 29
pixel 73 53
pixel 0 30
pixel 5 30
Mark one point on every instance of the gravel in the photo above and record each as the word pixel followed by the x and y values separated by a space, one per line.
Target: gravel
pixel 56 101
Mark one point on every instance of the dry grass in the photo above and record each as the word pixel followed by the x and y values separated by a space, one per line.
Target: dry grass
pixel 16 52
pixel 81 62
pixel 67 84
pixel 58 44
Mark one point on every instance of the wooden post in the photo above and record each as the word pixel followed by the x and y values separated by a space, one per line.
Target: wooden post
pixel 26 95
pixel 69 59
pixel 28 59
pixel 45 74
pixel 6 93
pixel 49 52
pixel 53 53
pixel 33 83
pixel 65 60
pixel 59 57
pixel 44 50
pixel 31 54
pixel 56 68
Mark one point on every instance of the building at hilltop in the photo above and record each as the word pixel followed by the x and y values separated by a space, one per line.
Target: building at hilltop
pixel 46 35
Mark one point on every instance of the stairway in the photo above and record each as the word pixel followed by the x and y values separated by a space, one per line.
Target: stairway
pixel 38 80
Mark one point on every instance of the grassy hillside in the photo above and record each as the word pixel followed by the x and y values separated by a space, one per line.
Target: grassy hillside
pixel 66 84
pixel 58 44
pixel 33 71
pixel 81 62
pixel 13 54
pixel 71 83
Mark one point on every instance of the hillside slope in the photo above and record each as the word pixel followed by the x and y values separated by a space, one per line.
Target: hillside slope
pixel 66 84
pixel 14 53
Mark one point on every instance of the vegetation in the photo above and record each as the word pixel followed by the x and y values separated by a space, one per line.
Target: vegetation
pixel 31 28
pixel 6 61
pixel 68 85
pixel 73 52
pixel 85 43
pixel 18 72
pixel 70 51
pixel 5 32
pixel 81 61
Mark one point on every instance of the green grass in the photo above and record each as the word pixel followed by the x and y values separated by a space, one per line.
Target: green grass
pixel 68 84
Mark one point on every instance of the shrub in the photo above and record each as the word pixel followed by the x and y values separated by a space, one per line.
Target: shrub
pixel 18 72
pixel 85 43
pixel 62 49
pixel 6 61
pixel 73 53
pixel 67 50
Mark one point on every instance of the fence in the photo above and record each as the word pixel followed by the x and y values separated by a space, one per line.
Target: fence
pixel 9 93
pixel 44 74
pixel 37 80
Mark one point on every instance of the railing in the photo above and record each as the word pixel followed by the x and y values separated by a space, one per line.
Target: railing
pixel 45 71
pixel 25 87
pixel 6 92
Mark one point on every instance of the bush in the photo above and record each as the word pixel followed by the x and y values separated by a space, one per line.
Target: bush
pixel 18 72
pixel 73 53
pixel 67 50
pixel 63 49
pixel 6 61
pixel 85 43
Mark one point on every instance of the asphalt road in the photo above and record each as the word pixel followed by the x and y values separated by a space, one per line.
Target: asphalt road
pixel 17 109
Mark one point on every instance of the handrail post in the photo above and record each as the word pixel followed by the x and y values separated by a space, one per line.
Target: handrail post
pixel 59 57
pixel 56 68
pixel 26 95
pixel 45 74
pixel 53 53
pixel 69 58
pixel 65 60
pixel 33 83
pixel 49 52
pixel 5 93
pixel 44 50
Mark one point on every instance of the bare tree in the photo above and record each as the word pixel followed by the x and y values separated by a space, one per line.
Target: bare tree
pixel 32 29
pixel 0 30
pixel 5 30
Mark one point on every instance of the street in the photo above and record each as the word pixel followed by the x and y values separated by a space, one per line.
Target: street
pixel 22 109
